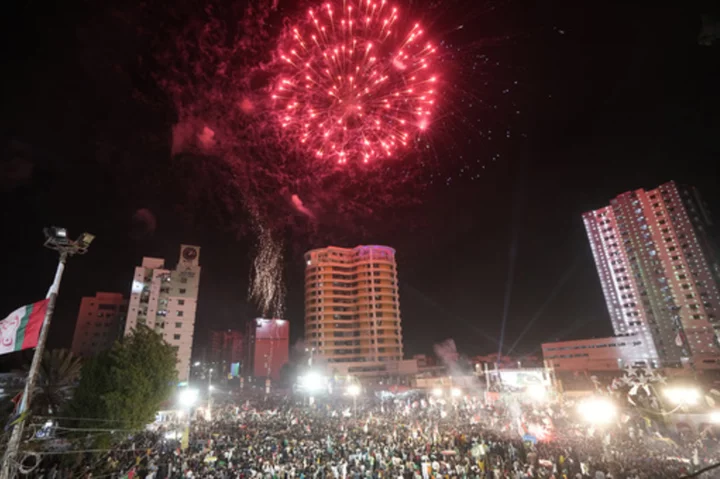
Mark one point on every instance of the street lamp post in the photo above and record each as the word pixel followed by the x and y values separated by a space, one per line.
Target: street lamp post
pixel 354 390
pixel 55 239
pixel 311 351
pixel 210 371
pixel 187 398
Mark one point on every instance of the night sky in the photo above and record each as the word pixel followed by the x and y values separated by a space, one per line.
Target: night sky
pixel 612 98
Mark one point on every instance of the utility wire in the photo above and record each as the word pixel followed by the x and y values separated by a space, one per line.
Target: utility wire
pixel 90 429
pixel 70 418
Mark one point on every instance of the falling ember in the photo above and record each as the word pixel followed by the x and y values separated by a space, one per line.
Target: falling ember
pixel 267 289
pixel 344 104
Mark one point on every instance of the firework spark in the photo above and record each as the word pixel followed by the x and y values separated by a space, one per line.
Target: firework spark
pixel 357 81
pixel 267 289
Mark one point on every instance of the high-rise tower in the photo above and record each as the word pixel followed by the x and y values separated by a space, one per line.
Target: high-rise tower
pixel 659 272
pixel 352 307
pixel 99 324
pixel 165 301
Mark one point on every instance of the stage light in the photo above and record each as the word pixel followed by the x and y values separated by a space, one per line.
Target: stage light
pixel 537 392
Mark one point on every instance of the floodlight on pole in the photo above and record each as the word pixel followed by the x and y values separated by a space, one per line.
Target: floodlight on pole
pixel 437 392
pixel 56 239
pixel 353 391
pixel 456 392
pixel 313 382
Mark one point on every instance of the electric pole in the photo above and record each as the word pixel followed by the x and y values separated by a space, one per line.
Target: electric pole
pixel 55 239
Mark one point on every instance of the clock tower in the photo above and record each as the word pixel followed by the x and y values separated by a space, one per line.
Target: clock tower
pixel 189 256
pixel 165 300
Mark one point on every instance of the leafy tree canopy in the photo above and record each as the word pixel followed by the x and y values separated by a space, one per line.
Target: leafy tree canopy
pixel 127 384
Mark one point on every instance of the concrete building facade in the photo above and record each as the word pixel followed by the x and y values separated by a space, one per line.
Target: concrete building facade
pixel 659 273
pixel 352 309
pixel 99 323
pixel 226 346
pixel 597 354
pixel 165 300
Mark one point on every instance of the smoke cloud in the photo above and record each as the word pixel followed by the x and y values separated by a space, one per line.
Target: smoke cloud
pixel 300 207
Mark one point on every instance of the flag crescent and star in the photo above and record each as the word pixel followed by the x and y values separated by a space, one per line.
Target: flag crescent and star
pixel 21 329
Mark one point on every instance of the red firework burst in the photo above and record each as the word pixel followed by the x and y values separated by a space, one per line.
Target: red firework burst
pixel 358 82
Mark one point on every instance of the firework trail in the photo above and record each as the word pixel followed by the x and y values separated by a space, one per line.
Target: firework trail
pixel 267 288
pixel 358 82
pixel 300 207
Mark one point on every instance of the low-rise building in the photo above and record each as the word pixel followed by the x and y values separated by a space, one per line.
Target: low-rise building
pixel 597 354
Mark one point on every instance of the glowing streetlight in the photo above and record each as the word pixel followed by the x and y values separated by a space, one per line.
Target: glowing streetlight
pixel 188 397
pixel 455 392
pixel 354 391
pixel 437 392
pixel 597 410
pixel 715 417
pixel 310 358
pixel 313 382
pixel 682 396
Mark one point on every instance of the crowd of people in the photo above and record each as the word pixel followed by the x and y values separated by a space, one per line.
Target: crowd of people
pixel 407 437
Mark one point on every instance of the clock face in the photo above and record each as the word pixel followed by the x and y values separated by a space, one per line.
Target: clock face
pixel 189 254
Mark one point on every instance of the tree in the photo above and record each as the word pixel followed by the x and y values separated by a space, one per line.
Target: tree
pixel 127 384
pixel 58 375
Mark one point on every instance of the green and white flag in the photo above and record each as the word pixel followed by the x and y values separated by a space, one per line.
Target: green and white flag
pixel 21 329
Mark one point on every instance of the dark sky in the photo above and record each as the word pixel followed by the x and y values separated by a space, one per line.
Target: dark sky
pixel 614 97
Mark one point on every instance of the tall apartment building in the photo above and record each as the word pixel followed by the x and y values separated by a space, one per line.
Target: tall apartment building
pixel 352 308
pixel 99 323
pixel 165 300
pixel 659 273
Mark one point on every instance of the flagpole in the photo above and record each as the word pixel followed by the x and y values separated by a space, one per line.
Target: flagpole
pixel 56 239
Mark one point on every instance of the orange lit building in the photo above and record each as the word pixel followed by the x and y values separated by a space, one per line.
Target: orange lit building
pixel 352 309
pixel 100 323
